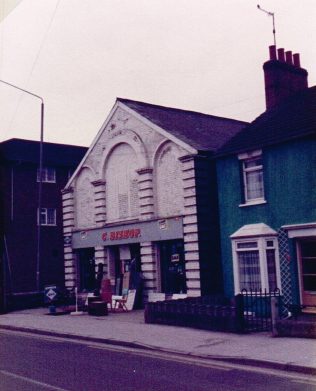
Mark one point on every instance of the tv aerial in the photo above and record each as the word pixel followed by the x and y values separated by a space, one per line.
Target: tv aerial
pixel 273 22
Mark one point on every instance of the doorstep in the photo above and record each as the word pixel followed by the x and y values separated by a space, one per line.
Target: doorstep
pixel 309 310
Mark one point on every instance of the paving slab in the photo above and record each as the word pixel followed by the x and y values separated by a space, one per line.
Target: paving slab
pixel 129 329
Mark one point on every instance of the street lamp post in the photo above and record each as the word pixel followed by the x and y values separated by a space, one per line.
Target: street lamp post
pixel 38 249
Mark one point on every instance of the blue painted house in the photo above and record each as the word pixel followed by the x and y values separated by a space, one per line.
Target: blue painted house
pixel 267 190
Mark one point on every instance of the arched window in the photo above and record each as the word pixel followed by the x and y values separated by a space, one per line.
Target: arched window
pixel 121 184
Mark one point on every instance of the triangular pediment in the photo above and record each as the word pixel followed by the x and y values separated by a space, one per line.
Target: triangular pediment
pixel 122 122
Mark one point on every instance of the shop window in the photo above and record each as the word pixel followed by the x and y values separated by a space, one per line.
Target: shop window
pixel 172 274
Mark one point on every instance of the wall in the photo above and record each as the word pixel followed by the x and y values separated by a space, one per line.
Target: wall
pixel 126 145
pixel 21 202
pixel 132 172
pixel 290 192
pixel 171 182
pixel 168 181
pixel 208 225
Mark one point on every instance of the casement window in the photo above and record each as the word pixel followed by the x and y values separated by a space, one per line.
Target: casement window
pixel 252 177
pixel 256 260
pixel 48 175
pixel 47 216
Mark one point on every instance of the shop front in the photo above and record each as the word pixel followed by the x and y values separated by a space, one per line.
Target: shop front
pixel 153 249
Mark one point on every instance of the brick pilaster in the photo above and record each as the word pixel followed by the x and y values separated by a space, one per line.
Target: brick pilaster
pixel 99 203
pixel 148 267
pixel 101 256
pixel 190 227
pixel 68 226
pixel 146 193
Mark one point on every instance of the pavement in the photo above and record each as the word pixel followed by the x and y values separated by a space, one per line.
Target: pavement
pixel 129 329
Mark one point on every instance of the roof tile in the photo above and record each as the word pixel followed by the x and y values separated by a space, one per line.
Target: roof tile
pixel 202 131
pixel 294 118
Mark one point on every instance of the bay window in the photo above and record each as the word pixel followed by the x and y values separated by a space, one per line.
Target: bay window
pixel 256 264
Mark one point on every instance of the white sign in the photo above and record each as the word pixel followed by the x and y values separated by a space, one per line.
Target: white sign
pixel 51 294
pixel 175 258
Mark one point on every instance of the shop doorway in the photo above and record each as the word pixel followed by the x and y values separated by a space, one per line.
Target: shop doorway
pixel 86 269
pixel 171 254
pixel 307 259
pixel 124 259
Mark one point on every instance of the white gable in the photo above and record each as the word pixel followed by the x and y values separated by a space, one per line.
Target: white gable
pixel 109 173
pixel 125 125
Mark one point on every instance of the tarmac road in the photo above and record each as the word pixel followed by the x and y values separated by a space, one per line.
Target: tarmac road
pixel 31 362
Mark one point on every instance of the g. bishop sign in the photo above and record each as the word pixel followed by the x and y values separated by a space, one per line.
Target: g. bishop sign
pixel 121 234
pixel 142 231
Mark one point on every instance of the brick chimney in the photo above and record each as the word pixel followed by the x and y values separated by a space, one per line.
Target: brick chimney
pixel 283 76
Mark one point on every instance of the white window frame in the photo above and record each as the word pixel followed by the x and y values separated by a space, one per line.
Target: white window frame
pixel 50 217
pixel 244 158
pixel 262 247
pixel 48 175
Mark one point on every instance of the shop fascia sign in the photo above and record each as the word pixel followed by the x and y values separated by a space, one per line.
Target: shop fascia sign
pixel 121 234
pixel 143 231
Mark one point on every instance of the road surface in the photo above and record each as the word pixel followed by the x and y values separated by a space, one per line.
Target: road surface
pixel 31 362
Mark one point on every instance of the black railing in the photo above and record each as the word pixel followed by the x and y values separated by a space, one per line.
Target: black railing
pixel 247 312
pixel 255 305
pixel 205 312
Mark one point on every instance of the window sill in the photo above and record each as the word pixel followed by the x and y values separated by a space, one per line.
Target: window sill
pixel 254 202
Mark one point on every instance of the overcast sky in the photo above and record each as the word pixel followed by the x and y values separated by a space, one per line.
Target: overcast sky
pixel 201 55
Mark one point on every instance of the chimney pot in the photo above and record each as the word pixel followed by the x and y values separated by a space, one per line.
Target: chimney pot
pixel 288 57
pixel 296 60
pixel 281 56
pixel 272 51
pixel 284 77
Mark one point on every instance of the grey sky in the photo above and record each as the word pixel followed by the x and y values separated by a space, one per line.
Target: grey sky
pixel 202 55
